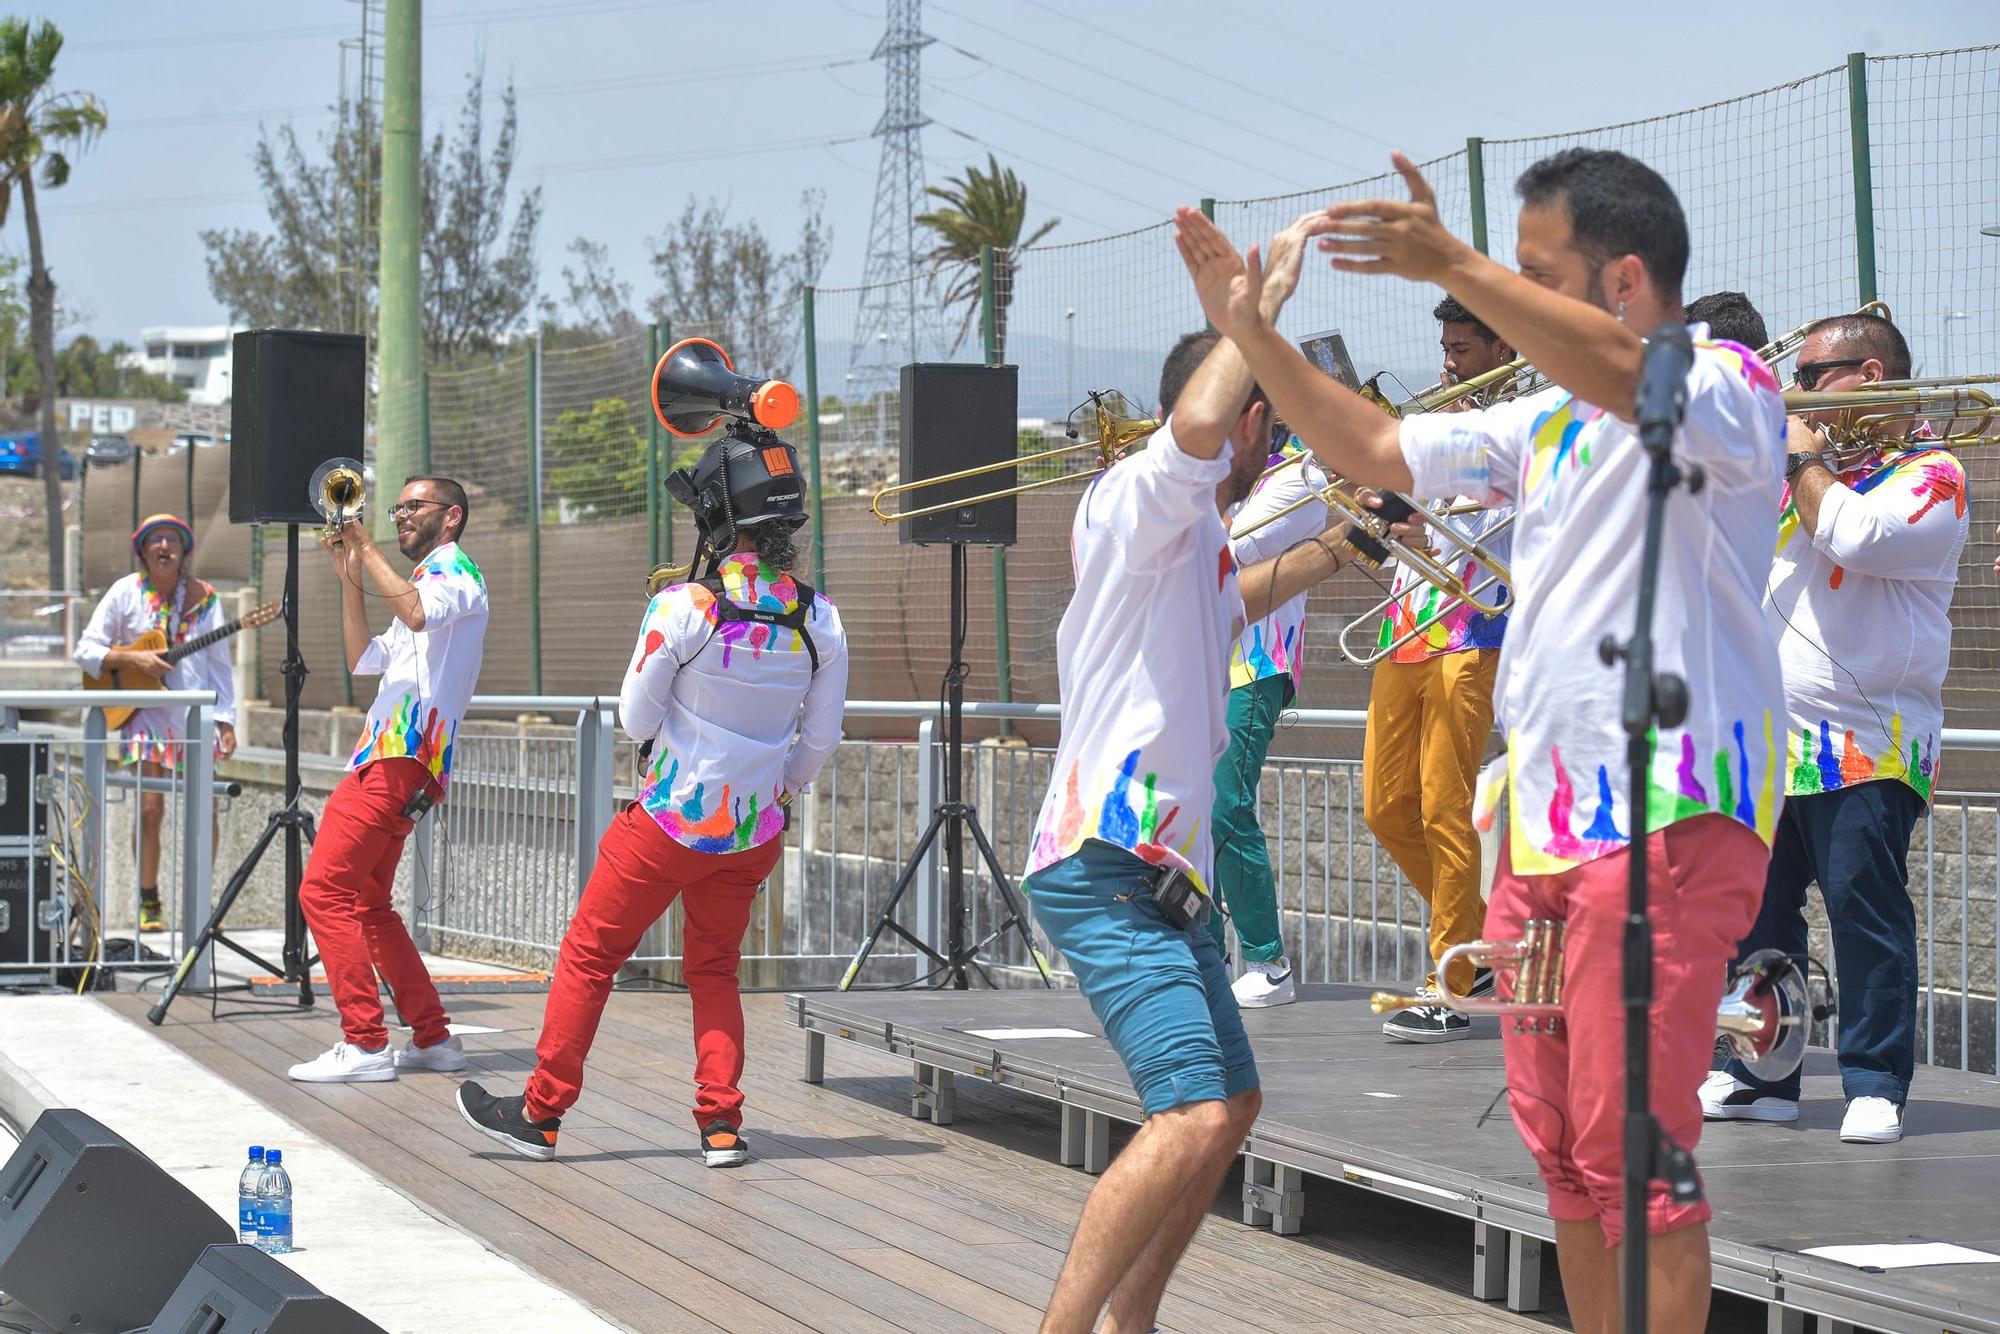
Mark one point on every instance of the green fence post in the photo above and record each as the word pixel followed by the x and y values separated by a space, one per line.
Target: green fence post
pixel 424 417
pixel 652 449
pixel 1475 184
pixel 535 516
pixel 663 333
pixel 1208 207
pixel 812 444
pixel 1864 173
pixel 1003 653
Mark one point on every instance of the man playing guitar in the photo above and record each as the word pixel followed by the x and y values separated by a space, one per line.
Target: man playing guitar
pixel 163 596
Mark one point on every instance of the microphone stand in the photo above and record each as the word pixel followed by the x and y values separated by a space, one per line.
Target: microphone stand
pixel 1651 699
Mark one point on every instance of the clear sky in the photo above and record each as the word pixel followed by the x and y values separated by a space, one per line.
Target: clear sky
pixel 1113 110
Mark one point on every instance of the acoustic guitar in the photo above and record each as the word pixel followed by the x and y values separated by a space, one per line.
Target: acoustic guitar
pixel 155 641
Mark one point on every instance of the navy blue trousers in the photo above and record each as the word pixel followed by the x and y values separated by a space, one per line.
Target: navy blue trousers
pixel 1855 844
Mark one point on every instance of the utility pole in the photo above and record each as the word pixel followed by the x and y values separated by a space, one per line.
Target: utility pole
pixel 399 313
pixel 895 318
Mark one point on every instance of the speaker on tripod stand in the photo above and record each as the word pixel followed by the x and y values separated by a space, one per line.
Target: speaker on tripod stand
pixel 299 403
pixel 956 417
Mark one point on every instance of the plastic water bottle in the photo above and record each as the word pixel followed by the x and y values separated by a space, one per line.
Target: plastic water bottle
pixel 274 1199
pixel 246 1197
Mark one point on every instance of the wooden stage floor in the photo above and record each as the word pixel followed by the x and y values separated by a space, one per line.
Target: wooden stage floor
pixel 851 1217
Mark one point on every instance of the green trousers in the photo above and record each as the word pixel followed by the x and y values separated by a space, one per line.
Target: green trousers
pixel 1243 883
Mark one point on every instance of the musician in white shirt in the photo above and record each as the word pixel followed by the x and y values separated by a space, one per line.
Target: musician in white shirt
pixel 736 685
pixel 163 596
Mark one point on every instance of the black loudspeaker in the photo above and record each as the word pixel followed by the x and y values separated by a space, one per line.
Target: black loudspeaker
pixel 241 1290
pixel 25 769
pixel 299 399
pixel 94 1235
pixel 959 416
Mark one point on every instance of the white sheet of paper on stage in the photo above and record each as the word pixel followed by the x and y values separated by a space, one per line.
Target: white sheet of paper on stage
pixel 1903 1254
pixel 1022 1034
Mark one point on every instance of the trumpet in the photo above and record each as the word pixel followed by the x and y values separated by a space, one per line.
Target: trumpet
pixel 1765 1014
pixel 1368 538
pixel 336 491
pixel 1115 427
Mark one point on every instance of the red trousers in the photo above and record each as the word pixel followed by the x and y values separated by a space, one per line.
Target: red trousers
pixel 1705 878
pixel 346 897
pixel 640 871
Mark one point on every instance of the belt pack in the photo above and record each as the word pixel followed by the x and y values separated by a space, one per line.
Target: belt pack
pixel 1179 900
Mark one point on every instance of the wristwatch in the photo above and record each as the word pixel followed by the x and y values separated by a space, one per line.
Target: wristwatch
pixel 1797 463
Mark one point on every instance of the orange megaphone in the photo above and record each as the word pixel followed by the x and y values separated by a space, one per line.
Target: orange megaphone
pixel 695 386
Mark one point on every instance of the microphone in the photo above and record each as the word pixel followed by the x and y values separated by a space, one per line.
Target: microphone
pixel 1663 373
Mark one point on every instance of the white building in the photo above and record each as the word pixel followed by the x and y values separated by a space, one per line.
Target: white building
pixel 194 356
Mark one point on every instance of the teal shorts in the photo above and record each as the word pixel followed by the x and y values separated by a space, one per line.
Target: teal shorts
pixel 1161 992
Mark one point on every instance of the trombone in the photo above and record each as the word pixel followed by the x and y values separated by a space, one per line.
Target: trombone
pixel 1865 419
pixel 1786 346
pixel 1115 425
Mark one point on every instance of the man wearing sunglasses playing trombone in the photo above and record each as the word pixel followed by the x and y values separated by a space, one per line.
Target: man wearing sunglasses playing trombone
pixel 1860 606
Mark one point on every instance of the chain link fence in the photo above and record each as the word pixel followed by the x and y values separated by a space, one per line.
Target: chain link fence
pixel 1875 178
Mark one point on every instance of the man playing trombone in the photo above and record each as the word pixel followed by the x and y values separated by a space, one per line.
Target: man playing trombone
pixel 1430 711
pixel 1860 605
pixel 1602 246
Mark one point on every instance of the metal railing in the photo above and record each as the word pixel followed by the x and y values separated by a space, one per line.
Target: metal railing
pixel 38 624
pixel 513 853
pixel 73 831
pixel 498 868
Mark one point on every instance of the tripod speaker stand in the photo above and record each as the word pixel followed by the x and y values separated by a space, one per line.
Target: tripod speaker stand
pixel 950 820
pixel 289 819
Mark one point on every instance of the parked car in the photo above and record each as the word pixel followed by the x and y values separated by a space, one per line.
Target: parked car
pixel 105 450
pixel 21 455
pixel 199 439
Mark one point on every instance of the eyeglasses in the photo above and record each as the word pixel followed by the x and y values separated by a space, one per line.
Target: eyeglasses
pixel 1806 375
pixel 402 507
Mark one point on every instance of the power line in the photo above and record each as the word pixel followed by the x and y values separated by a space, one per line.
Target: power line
pixel 995 148
pixel 1258 133
pixel 1157 177
pixel 699 155
pixel 666 83
pixel 1207 74
pixel 474 18
pixel 1115 113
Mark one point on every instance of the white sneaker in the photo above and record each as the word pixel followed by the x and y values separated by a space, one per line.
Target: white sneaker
pixel 347 1065
pixel 444 1057
pixel 1871 1121
pixel 1724 1097
pixel 1266 984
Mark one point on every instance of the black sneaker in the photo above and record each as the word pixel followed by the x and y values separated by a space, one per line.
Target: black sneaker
pixel 1482 982
pixel 1427 1023
pixel 722 1146
pixel 503 1119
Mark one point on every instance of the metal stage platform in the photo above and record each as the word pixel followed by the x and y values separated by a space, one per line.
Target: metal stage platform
pixel 1342 1102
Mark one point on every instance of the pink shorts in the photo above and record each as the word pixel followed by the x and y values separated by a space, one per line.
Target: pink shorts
pixel 1705 880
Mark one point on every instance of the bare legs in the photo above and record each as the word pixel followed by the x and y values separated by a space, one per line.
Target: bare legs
pixel 1677 1278
pixel 1142 1214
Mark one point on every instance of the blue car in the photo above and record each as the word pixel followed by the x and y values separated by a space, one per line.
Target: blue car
pixel 21 455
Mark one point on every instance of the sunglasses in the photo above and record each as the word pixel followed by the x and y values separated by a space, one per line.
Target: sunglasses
pixel 1807 374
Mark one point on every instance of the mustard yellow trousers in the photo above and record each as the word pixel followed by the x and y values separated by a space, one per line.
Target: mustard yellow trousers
pixel 1428 724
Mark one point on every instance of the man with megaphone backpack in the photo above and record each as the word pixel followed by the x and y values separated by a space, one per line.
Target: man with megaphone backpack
pixel 735 688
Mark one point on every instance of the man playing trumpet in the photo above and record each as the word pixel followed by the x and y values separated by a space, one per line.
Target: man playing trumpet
pixel 1602 248
pixel 1430 710
pixel 1860 606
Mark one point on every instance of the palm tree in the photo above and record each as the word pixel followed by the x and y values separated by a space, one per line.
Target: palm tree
pixel 982 208
pixel 36 125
